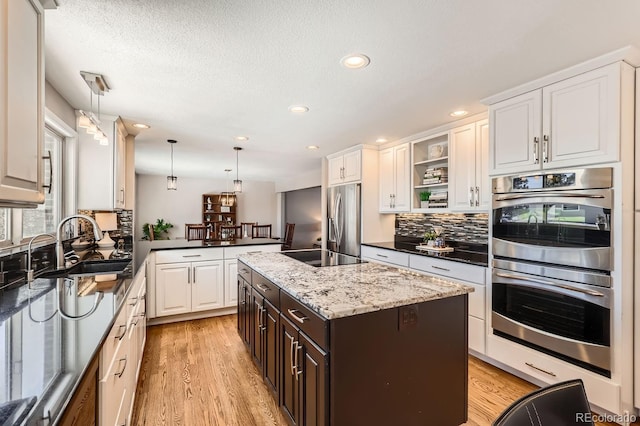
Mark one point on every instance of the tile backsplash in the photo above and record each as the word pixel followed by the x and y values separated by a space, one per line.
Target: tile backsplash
pixel 464 227
pixel 125 223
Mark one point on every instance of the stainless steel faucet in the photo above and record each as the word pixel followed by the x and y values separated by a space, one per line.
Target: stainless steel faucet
pixel 29 254
pixel 97 233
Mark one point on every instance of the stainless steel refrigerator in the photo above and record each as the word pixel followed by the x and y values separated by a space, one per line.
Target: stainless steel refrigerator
pixel 344 216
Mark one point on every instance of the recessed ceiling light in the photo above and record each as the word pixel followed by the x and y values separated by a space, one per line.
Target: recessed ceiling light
pixel 313 147
pixel 298 109
pixel 357 60
pixel 459 113
pixel 141 126
pixel 241 138
pixel 381 140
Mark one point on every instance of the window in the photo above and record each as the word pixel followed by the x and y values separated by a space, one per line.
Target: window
pixel 47 215
pixel 5 227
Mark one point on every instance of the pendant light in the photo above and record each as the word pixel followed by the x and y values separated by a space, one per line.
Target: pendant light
pixel 227 198
pixel 172 181
pixel 88 120
pixel 237 184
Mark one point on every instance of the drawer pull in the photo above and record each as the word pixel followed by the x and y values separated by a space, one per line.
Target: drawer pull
pixel 134 301
pixel 540 369
pixel 120 327
pixel 263 287
pixel 298 370
pixel 252 252
pixel 192 255
pixel 244 270
pixel 124 367
pixel 293 313
pixel 381 255
pixel 441 268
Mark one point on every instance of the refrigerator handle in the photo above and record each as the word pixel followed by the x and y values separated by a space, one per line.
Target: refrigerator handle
pixel 337 217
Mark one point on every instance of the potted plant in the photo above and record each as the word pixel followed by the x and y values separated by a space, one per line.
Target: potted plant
pixel 424 199
pixel 159 230
pixel 429 237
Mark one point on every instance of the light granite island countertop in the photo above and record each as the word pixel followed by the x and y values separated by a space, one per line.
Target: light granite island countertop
pixel 341 291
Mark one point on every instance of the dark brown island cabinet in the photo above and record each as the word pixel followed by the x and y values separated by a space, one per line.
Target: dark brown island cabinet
pixel 400 366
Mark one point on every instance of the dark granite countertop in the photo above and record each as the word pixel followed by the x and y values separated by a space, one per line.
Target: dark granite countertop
pixel 475 254
pixel 49 351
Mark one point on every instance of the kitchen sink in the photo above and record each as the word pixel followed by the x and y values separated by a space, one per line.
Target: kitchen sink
pixel 90 268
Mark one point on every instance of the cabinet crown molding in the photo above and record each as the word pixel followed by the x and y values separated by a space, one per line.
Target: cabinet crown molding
pixel 627 54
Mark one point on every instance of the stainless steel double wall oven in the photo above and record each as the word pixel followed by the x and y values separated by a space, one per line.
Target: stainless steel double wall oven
pixel 552 262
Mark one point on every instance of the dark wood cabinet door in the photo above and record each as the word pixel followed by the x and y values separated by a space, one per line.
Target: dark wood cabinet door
pixel 257 327
pixel 289 382
pixel 270 355
pixel 313 372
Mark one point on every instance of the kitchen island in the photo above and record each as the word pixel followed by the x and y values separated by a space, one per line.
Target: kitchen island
pixel 362 344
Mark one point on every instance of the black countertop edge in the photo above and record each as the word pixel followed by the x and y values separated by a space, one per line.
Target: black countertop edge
pixel 463 253
pixel 184 244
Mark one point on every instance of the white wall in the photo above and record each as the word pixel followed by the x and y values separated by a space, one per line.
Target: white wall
pixel 256 203
pixel 305 180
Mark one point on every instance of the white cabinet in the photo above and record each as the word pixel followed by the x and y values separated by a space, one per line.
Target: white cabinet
pixel 102 169
pixel 471 275
pixel 377 254
pixel 573 122
pixel 345 167
pixel 121 357
pixel 230 283
pixel 21 102
pixel 188 287
pixel 395 179
pixel 469 186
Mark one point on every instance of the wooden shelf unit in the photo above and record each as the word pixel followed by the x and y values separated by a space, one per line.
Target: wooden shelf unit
pixel 216 214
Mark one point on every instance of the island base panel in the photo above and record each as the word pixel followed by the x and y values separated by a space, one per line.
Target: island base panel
pixel 405 365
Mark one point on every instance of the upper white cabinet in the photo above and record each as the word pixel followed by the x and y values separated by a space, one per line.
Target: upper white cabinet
pixel 469 186
pixel 573 122
pixel 395 179
pixel 345 167
pixel 102 169
pixel 21 102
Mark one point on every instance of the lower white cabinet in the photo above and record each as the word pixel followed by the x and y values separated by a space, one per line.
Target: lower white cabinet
pixel 195 280
pixel 189 287
pixel 391 257
pixel 121 357
pixel 230 282
pixel 472 275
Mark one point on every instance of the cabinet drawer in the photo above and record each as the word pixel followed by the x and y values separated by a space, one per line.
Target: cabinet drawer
pixel 476 334
pixel 476 301
pixel 117 334
pixel 448 268
pixel 189 255
pixel 312 324
pixel 266 288
pixel 113 384
pixel 234 252
pixel 386 256
pixel 244 271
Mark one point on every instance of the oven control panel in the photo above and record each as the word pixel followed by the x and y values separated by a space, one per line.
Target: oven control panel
pixel 548 180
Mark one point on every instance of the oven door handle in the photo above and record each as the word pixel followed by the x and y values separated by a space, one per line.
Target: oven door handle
pixel 551 283
pixel 548 195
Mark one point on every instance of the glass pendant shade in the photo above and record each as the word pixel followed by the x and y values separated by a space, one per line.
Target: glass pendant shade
pixel 237 185
pixel 92 129
pixel 172 183
pixel 84 121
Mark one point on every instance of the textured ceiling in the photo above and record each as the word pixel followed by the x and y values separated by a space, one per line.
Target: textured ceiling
pixel 204 71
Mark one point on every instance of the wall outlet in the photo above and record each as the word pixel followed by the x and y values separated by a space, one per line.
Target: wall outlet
pixel 407 317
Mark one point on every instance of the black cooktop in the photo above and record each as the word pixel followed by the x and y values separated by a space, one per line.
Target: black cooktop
pixel 320 258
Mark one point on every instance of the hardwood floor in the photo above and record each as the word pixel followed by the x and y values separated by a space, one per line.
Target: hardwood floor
pixel 200 373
